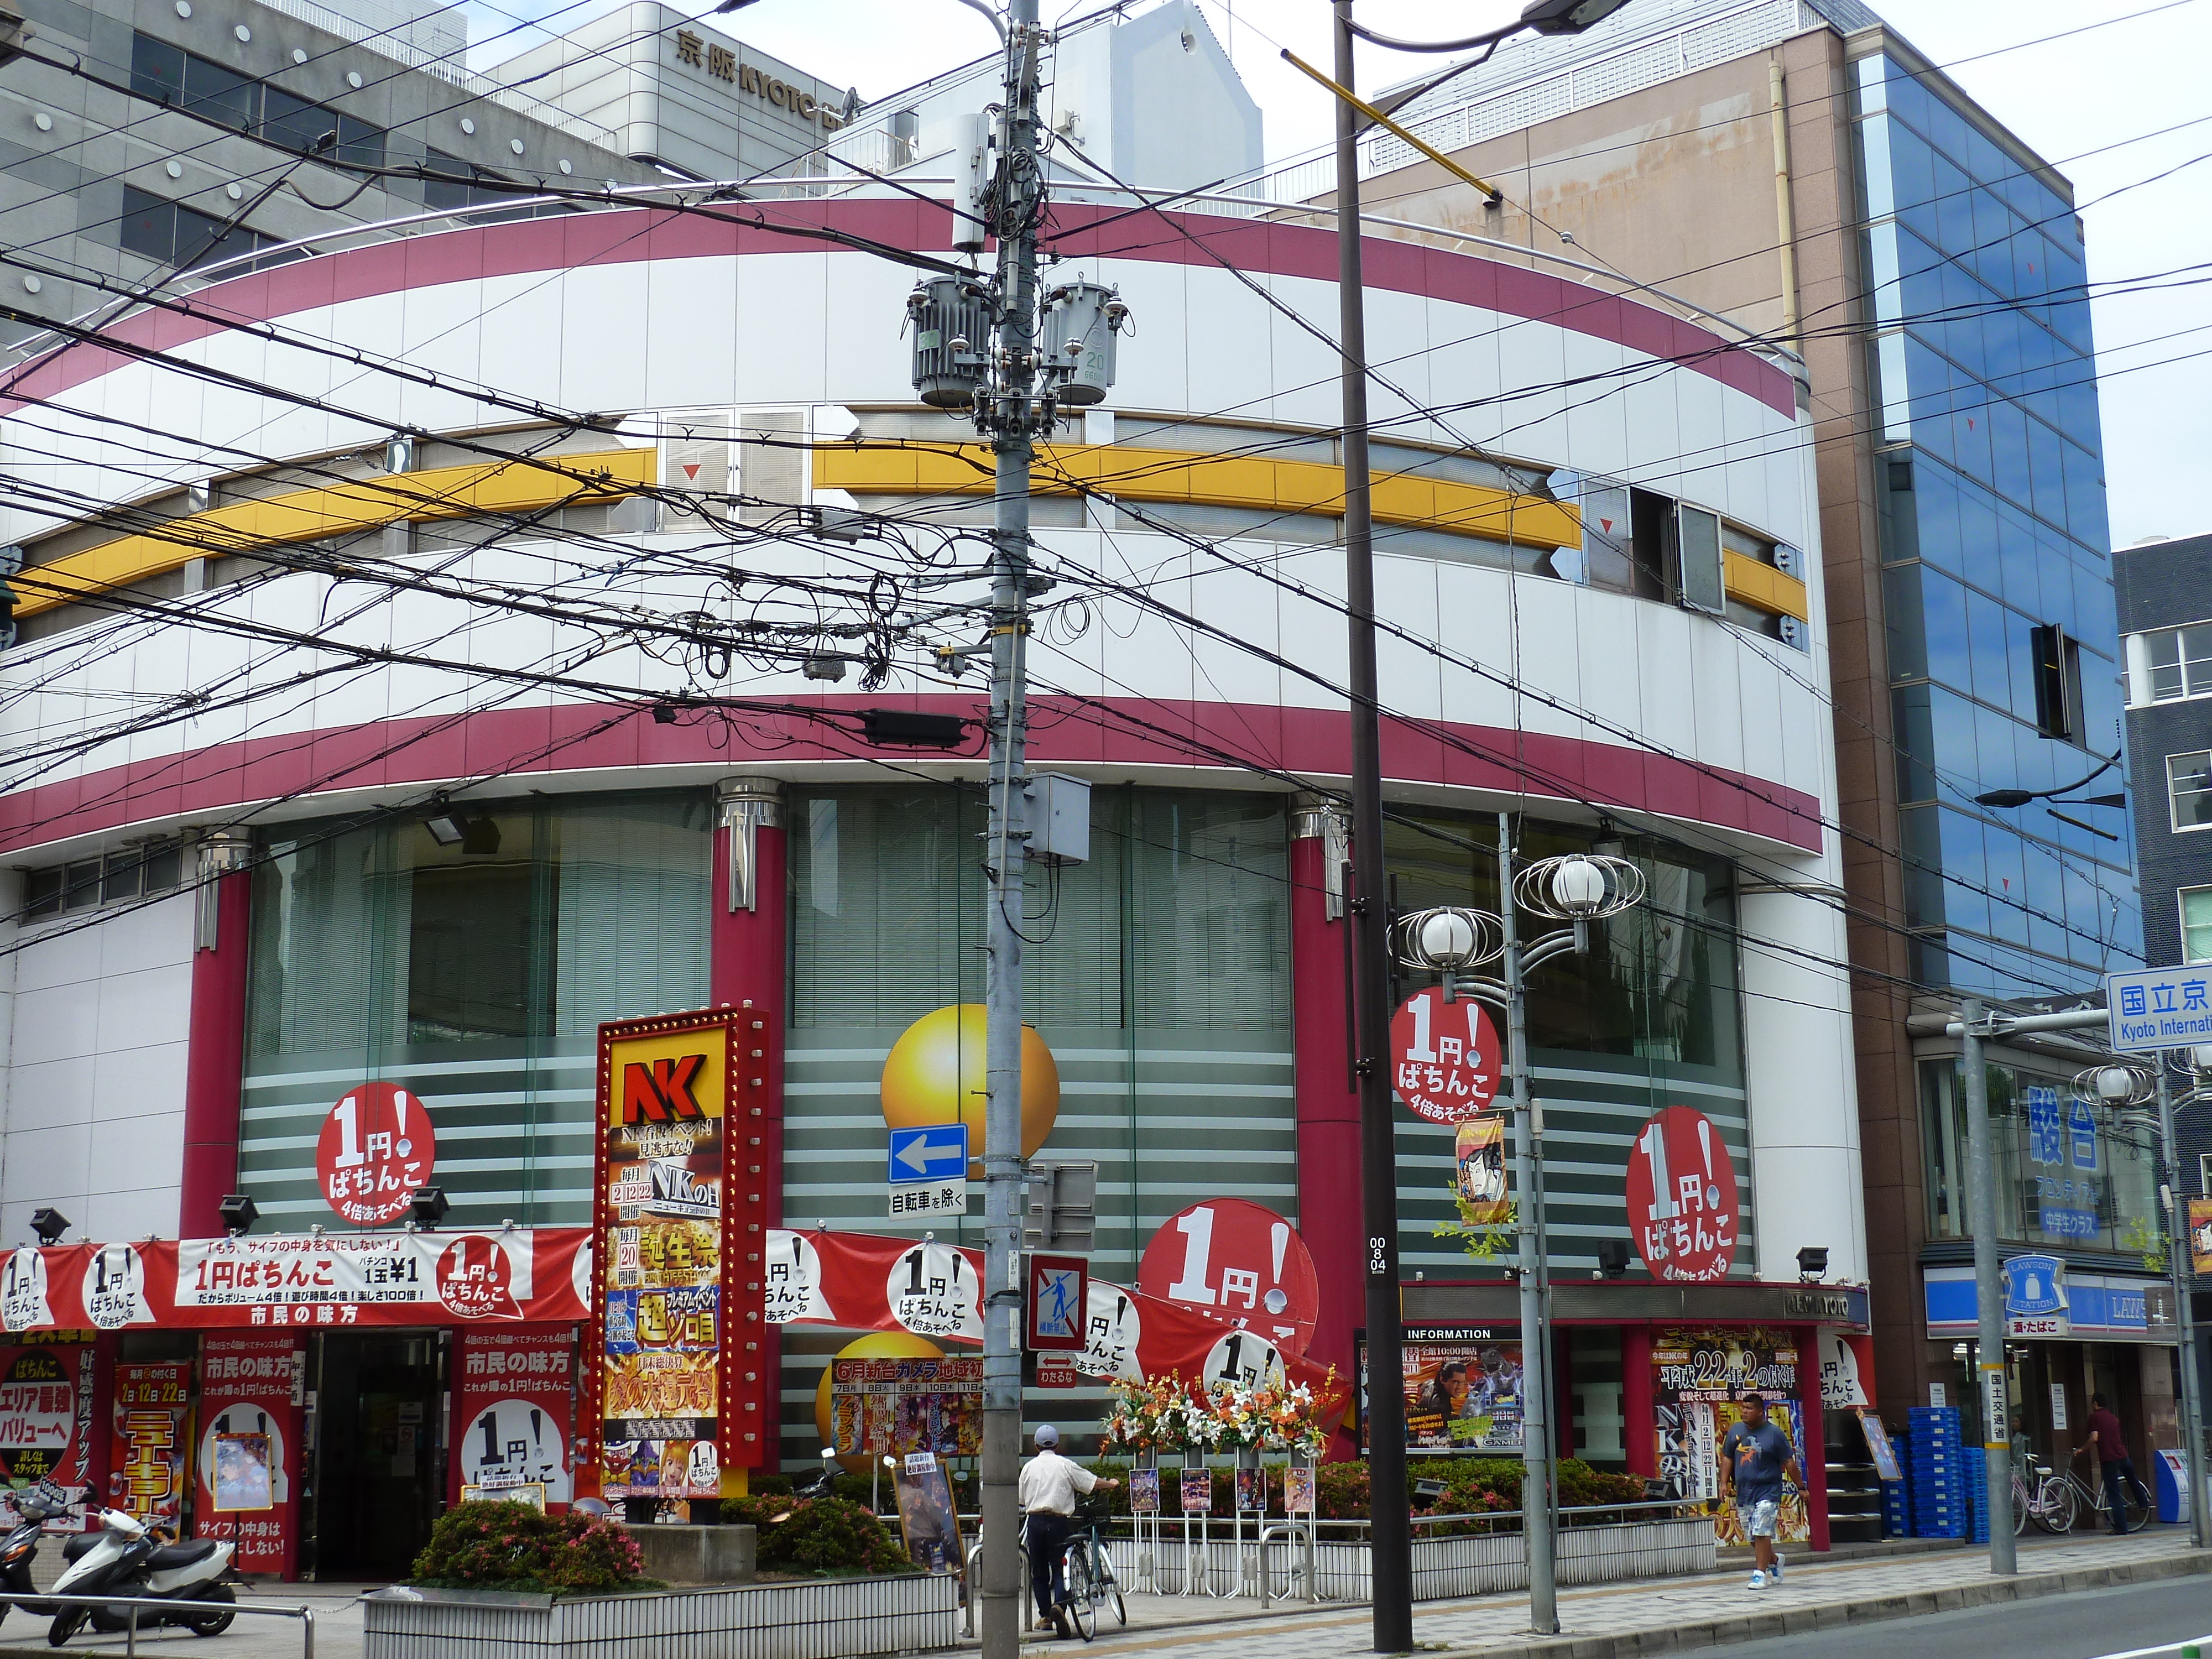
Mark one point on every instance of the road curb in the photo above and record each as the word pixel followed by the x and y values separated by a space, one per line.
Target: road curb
pixel 1831 1615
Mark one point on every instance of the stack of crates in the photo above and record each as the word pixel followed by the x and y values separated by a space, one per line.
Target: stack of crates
pixel 1939 1473
pixel 1978 1493
pixel 1897 1495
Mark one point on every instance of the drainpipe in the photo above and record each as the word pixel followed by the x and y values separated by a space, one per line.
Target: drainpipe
pixel 1784 215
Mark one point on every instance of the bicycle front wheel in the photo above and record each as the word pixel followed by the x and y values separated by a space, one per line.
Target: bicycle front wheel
pixel 2021 1504
pixel 2056 1504
pixel 2136 1501
pixel 1082 1602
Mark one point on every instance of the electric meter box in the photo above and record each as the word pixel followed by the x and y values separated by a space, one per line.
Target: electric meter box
pixel 1059 818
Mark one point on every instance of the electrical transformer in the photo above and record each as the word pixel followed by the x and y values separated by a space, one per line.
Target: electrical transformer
pixel 1076 338
pixel 952 319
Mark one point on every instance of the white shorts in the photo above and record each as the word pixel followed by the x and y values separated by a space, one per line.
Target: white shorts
pixel 1758 1516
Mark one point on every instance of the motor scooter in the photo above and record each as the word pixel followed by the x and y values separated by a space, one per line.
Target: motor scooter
pixel 35 1507
pixel 125 1559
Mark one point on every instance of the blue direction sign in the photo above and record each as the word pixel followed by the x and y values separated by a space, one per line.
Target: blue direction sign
pixel 935 1152
pixel 2159 1008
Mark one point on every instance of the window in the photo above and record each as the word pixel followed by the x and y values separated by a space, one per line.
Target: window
pixel 168 74
pixel 1698 541
pixel 89 882
pixel 2056 665
pixel 2196 924
pixel 170 234
pixel 2179 662
pixel 2189 783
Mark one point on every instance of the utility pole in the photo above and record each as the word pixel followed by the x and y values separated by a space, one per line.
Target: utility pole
pixel 1009 412
pixel 1537 1479
pixel 1989 1292
pixel 1390 1525
pixel 2178 1245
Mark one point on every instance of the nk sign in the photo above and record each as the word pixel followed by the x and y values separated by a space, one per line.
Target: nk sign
pixel 2159 1008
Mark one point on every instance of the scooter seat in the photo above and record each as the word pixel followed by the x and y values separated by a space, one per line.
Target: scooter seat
pixel 80 1546
pixel 170 1557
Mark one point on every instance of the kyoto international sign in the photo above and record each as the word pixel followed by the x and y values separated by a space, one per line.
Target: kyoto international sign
pixel 2159 1008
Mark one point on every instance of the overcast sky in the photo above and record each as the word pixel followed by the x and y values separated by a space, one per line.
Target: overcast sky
pixel 2087 92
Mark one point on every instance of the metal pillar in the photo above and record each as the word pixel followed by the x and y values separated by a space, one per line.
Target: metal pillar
pixel 1537 1497
pixel 1011 424
pixel 2176 1248
pixel 1989 1293
pixel 1389 1510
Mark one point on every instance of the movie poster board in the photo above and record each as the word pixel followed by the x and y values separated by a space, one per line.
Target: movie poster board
pixel 929 1521
pixel 907 1406
pixel 1462 1388
pixel 150 1456
pixel 1697 1376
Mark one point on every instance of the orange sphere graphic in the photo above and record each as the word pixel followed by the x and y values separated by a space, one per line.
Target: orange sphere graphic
pixel 877 1344
pixel 935 1074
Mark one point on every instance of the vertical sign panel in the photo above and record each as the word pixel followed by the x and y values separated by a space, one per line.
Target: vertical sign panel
pixel 246 1486
pixel 676 1319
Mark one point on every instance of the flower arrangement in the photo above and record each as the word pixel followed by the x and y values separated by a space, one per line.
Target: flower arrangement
pixel 1163 1413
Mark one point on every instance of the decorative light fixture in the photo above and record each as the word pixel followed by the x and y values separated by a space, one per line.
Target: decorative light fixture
pixel 2117 1082
pixel 1579 886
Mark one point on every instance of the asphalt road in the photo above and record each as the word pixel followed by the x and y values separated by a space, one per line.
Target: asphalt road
pixel 2142 1621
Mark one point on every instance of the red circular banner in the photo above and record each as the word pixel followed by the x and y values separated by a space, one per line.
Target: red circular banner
pixel 376 1148
pixel 1239 1261
pixel 1443 1057
pixel 1682 1204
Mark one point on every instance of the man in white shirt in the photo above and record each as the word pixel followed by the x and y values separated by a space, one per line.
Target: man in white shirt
pixel 1049 1488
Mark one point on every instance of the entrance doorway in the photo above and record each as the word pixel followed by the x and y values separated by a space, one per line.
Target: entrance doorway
pixel 377 1470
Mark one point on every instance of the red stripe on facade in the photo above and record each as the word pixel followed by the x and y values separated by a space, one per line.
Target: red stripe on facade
pixel 624 237
pixel 1129 731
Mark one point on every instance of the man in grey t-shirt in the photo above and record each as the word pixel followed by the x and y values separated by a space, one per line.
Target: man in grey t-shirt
pixel 1756 1458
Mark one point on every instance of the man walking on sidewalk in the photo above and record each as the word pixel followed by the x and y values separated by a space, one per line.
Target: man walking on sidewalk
pixel 1756 1456
pixel 1047 1491
pixel 2112 1458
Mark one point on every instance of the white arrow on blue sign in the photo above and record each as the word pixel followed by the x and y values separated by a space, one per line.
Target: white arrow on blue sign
pixel 934 1151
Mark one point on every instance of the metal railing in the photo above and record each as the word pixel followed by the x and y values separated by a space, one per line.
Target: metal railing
pixel 35 1604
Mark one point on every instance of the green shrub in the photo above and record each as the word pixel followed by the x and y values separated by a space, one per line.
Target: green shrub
pixel 505 1546
pixel 819 1536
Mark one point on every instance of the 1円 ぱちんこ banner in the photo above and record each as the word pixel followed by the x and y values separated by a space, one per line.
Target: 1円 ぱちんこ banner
pixel 674 1362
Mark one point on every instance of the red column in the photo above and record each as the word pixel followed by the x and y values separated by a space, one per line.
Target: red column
pixel 215 1060
pixel 1811 1434
pixel 746 970
pixel 1328 1106
pixel 1639 1432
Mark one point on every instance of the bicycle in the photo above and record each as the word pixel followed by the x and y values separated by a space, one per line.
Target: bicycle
pixel 1088 1576
pixel 2059 1496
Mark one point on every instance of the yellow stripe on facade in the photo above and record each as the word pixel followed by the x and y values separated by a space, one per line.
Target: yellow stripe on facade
pixel 1761 586
pixel 306 516
pixel 1257 482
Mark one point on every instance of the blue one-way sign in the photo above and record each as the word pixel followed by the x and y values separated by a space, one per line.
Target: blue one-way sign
pixel 935 1152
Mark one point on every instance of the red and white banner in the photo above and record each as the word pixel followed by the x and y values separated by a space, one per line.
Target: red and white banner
pixel 858 1281
pixel 513 1403
pixel 1241 1261
pixel 376 1148
pixel 301 1279
pixel 247 1484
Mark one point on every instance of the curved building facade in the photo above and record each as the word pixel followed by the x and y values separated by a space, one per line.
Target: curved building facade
pixel 433 649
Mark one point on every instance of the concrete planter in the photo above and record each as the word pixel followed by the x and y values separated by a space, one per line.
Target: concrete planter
pixel 697 1555
pixel 818 1619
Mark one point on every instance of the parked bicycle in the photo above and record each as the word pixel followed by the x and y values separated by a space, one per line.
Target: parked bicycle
pixel 1089 1572
pixel 2054 1500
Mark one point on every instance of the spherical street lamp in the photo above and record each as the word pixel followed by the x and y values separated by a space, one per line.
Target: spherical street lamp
pixel 1579 886
pixel 2116 1084
pixel 1448 939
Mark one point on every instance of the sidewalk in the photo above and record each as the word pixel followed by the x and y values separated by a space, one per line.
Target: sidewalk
pixel 1665 1615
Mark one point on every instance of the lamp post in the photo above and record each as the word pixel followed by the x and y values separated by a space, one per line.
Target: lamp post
pixel 1391 1523
pixel 1576 888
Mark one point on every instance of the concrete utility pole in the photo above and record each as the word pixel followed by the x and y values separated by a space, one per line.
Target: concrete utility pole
pixel 1390 1506
pixel 1010 414
pixel 1989 1291
pixel 2177 1247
